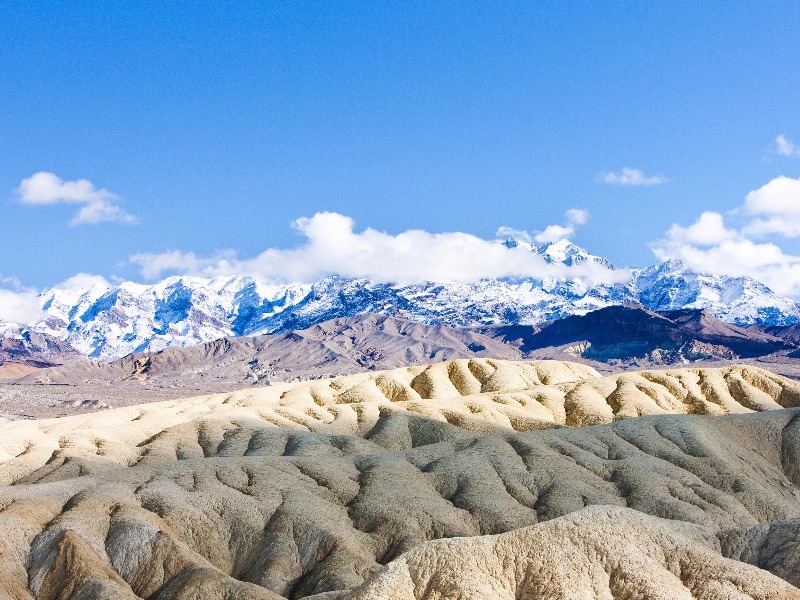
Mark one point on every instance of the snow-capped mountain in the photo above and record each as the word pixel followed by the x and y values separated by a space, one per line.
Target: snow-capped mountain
pixel 107 322
pixel 737 300
pixel 570 254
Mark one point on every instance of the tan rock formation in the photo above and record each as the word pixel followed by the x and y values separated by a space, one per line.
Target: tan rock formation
pixel 321 487
pixel 598 552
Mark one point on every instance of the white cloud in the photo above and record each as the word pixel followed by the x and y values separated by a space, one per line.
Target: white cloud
pixel 98 212
pixel 764 262
pixel 577 216
pixel 332 246
pixel 777 208
pixel 785 147
pixel 632 177
pixel 708 230
pixel 82 281
pixel 18 304
pixel 709 246
pixel 781 197
pixel 154 264
pixel 96 204
pixel 509 233
pixel 553 233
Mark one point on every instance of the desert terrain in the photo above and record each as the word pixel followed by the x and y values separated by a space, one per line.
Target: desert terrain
pixel 399 301
pixel 46 379
pixel 467 478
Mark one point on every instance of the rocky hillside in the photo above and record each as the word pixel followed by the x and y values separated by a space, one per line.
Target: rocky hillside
pixel 624 332
pixel 333 347
pixel 24 347
pixel 609 339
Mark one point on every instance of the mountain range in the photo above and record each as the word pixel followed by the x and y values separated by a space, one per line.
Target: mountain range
pixel 106 322
pixel 622 333
pixel 609 339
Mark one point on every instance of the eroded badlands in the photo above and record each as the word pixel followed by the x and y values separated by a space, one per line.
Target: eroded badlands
pixel 465 479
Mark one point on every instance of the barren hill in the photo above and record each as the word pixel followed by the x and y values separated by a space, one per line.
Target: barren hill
pixel 334 347
pixel 621 333
pixel 457 479
pixel 609 339
pixel 23 351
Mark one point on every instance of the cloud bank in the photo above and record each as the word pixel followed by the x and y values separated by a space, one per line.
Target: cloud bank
pixel 632 177
pixel 574 217
pixel 331 245
pixel 97 205
pixel 709 245
pixel 17 303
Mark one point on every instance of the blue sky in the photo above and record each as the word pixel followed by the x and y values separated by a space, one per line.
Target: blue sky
pixel 214 127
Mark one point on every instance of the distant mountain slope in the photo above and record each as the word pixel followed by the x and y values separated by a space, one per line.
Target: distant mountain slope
pixel 738 300
pixel 21 346
pixel 624 332
pixel 110 322
pixel 622 335
pixel 334 347
pixel 790 333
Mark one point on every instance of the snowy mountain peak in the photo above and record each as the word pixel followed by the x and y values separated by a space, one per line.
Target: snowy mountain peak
pixel 740 300
pixel 570 254
pixel 514 242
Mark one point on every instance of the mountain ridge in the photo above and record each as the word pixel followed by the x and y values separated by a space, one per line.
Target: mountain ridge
pixel 23 346
pixel 624 332
pixel 608 339
pixel 108 322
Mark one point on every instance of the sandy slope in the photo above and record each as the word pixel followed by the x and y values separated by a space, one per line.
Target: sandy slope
pixel 597 552
pixel 325 486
